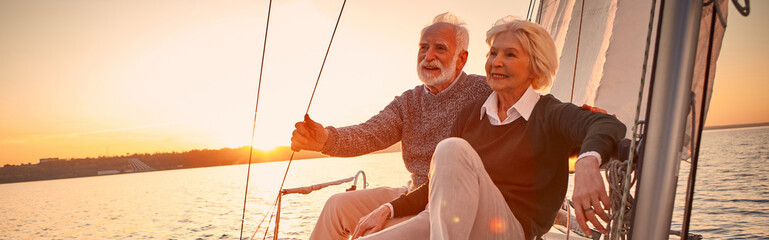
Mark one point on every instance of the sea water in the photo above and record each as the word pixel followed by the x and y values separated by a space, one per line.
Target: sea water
pixel 731 200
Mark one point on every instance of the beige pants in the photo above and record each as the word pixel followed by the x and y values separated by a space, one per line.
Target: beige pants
pixel 464 202
pixel 342 211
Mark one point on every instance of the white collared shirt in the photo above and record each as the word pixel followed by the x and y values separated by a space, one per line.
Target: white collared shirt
pixel 522 108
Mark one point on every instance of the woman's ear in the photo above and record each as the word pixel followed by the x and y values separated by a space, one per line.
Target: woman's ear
pixel 534 80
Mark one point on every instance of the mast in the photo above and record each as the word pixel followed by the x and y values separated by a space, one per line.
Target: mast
pixel 668 108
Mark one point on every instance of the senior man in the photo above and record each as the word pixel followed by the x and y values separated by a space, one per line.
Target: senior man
pixel 419 118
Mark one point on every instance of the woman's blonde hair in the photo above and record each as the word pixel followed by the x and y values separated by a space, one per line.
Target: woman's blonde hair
pixel 535 41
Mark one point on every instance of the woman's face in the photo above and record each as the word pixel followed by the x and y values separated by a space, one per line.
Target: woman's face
pixel 507 65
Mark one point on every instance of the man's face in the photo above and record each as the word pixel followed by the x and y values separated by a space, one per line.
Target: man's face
pixel 436 61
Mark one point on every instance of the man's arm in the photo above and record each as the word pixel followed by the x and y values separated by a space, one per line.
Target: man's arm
pixel 377 133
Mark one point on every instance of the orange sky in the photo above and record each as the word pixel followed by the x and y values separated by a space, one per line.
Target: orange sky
pixel 89 78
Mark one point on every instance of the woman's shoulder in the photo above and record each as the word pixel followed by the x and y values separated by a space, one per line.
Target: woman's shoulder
pixel 549 105
pixel 549 101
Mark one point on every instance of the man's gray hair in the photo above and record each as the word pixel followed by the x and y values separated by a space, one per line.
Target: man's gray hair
pixel 463 36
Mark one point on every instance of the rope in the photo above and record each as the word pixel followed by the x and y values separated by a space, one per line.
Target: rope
pixel 256 110
pixel 626 197
pixel 568 218
pixel 291 158
pixel 268 227
pixel 324 60
pixel 315 187
pixel 270 210
pixel 615 172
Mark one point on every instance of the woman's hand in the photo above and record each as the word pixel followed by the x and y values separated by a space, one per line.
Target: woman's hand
pixel 590 194
pixel 372 223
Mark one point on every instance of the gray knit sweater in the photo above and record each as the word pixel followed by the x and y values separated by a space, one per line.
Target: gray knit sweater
pixel 417 118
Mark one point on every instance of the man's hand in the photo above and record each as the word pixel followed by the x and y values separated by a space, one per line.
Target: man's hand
pixel 595 109
pixel 589 194
pixel 372 223
pixel 308 135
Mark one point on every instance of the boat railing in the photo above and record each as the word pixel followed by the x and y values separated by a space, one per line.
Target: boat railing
pixel 315 187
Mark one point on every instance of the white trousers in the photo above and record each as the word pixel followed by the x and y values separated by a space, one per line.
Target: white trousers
pixel 342 211
pixel 464 203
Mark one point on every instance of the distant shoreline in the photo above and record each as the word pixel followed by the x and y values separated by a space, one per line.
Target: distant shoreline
pixel 60 168
pixel 736 126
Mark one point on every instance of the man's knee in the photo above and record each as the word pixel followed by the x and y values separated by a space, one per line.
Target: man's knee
pixel 336 202
pixel 337 199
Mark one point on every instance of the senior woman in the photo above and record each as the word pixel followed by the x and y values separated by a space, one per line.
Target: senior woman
pixel 504 173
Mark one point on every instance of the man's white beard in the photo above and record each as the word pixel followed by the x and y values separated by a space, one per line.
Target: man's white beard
pixel 446 72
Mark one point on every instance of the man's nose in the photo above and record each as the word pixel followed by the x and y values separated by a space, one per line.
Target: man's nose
pixel 430 54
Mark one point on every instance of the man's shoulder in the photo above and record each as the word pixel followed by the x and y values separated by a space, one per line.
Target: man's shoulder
pixel 477 81
pixel 476 78
pixel 477 84
pixel 416 91
pixel 472 84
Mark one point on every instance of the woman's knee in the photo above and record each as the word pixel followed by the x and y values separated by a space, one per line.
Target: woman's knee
pixel 450 147
pixel 453 154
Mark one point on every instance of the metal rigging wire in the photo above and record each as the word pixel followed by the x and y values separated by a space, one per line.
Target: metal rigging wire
pixel 256 110
pixel 576 54
pixel 530 10
pixel 306 116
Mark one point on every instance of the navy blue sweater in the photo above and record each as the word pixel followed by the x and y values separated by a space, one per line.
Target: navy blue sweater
pixel 528 160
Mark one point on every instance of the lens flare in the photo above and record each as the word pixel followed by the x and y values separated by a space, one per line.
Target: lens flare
pixel 497 225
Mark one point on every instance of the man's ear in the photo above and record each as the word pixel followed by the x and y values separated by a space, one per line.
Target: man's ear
pixel 461 60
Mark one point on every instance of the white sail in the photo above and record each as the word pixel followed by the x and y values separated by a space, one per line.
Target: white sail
pixel 556 17
pixel 624 67
pixel 610 62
